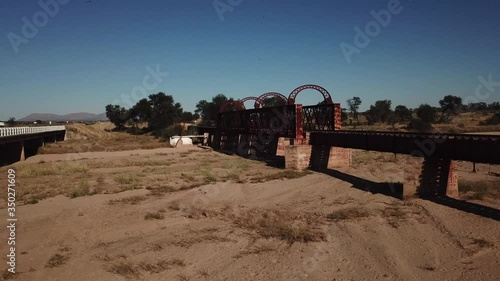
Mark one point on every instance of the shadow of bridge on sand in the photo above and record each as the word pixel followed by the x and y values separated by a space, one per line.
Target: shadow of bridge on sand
pixel 396 190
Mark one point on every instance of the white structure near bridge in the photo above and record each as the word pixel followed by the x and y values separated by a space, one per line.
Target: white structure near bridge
pixel 15 131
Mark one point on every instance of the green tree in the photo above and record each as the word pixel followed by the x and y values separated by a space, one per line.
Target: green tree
pixel 427 113
pixel 380 112
pixel 209 110
pixel 451 104
pixel 402 114
pixel 164 111
pixel 142 111
pixel 353 106
pixel 117 115
pixel 11 122
pixel 187 116
pixel 494 105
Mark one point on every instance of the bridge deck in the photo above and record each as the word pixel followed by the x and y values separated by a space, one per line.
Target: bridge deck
pixel 15 134
pixel 466 147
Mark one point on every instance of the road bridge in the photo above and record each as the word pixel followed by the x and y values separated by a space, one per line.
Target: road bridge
pixel 19 143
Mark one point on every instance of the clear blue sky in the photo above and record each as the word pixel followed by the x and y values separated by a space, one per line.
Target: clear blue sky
pixel 89 54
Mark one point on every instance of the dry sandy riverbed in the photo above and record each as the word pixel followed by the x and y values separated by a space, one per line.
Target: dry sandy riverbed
pixel 194 214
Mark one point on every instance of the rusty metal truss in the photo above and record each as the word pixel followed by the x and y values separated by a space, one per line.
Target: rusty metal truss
pixel 323 91
pixel 284 121
pixel 319 117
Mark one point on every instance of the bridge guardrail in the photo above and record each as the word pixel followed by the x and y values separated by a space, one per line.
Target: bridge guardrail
pixel 15 131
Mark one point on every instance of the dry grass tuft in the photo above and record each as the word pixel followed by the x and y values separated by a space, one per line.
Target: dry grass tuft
pixel 160 191
pixel 481 243
pixel 234 176
pixel 183 277
pixel 161 265
pixel 204 273
pixel 187 242
pixel 479 190
pixel 127 181
pixel 350 213
pixel 257 250
pixel 288 174
pixel 195 212
pixel 394 215
pixel 124 268
pixel 209 177
pixel 130 271
pixel 175 205
pixel 187 177
pixel 132 200
pixel 56 261
pixel 83 189
pixel 284 225
pixel 154 216
pixel 28 170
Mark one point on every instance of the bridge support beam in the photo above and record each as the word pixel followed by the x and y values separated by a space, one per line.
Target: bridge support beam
pixel 11 153
pixel 216 141
pixel 22 156
pixel 244 145
pixel 430 177
pixel 31 147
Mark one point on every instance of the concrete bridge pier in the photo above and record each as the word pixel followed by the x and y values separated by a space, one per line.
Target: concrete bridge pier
pixel 12 152
pixel 428 177
pixel 31 147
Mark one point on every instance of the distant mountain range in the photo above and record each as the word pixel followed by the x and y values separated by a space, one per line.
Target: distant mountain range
pixel 80 116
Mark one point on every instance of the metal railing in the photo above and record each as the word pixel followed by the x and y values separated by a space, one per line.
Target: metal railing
pixel 15 131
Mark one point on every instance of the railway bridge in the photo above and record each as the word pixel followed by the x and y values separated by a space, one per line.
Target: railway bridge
pixel 311 137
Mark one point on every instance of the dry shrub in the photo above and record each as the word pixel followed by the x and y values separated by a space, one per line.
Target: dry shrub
pixel 160 191
pixel 481 243
pixel 349 214
pixel 154 216
pixel 124 268
pixel 478 190
pixel 187 242
pixel 288 174
pixel 394 215
pixel 130 271
pixel 257 250
pixel 127 179
pixel 57 260
pixel 175 205
pixel 132 200
pixel 285 225
pixel 83 189
pixel 161 265
pixel 195 212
